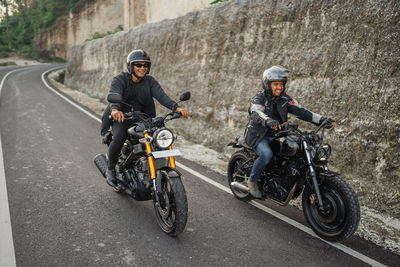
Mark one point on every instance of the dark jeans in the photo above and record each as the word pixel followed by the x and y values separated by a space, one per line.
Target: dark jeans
pixel 264 152
pixel 120 133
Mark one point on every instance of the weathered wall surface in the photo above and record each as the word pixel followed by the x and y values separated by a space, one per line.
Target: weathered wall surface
pixel 344 58
pixel 106 15
pixel 157 10
pixel 92 16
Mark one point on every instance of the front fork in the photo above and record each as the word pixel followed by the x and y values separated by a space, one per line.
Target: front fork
pixel 152 167
pixel 313 177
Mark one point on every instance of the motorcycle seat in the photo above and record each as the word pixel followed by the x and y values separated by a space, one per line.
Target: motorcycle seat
pixel 241 142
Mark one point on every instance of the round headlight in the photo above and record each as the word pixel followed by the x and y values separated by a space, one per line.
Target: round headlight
pixel 323 153
pixel 164 138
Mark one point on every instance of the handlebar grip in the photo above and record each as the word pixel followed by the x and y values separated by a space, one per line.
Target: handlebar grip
pixel 176 115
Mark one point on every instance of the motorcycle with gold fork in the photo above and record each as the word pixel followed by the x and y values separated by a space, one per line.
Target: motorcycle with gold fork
pixel 146 167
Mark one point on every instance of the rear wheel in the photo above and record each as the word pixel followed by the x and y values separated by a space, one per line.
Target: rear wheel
pixel 341 214
pixel 239 168
pixel 172 209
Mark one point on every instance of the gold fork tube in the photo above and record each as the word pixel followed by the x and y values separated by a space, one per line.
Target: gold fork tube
pixel 150 158
pixel 172 160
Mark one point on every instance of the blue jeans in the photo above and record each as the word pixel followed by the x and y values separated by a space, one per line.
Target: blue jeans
pixel 265 154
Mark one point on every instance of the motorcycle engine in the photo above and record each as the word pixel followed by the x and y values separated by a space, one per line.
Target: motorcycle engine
pixel 276 190
pixel 282 179
pixel 138 182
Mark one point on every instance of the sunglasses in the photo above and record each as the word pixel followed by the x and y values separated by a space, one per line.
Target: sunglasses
pixel 137 65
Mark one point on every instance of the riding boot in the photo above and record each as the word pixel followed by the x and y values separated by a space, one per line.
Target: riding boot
pixel 254 189
pixel 111 177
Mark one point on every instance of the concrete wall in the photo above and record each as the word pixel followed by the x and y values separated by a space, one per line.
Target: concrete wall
pixel 92 16
pixel 157 10
pixel 344 61
pixel 106 15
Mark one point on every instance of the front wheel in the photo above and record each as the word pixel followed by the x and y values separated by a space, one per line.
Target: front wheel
pixel 341 214
pixel 172 208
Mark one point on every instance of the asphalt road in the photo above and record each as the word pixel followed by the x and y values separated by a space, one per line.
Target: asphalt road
pixel 64 214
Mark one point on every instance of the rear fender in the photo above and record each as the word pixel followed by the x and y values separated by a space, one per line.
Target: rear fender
pixel 235 143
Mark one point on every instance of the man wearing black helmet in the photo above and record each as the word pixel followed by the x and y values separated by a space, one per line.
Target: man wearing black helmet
pixel 138 89
pixel 268 110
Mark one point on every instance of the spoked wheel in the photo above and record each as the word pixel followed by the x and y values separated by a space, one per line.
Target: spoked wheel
pixel 172 210
pixel 341 214
pixel 239 169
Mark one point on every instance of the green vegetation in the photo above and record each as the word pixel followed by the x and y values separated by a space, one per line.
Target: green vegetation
pixel 97 35
pixel 218 1
pixel 22 20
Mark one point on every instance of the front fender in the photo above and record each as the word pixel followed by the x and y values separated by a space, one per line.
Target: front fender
pixel 323 174
pixel 171 172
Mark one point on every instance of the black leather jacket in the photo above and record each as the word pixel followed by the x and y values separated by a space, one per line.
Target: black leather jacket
pixel 140 95
pixel 263 107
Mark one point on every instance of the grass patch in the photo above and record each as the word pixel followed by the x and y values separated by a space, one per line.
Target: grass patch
pixel 97 35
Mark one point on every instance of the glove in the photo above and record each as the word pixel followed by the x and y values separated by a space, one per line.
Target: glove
pixel 270 123
pixel 329 122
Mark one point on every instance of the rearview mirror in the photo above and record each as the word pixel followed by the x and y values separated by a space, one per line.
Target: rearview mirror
pixel 184 96
pixel 114 98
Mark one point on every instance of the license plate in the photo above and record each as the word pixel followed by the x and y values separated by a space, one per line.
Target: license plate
pixel 166 153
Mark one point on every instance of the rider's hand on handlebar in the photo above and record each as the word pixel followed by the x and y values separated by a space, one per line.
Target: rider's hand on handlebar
pixel 330 122
pixel 184 112
pixel 273 124
pixel 117 115
pixel 284 126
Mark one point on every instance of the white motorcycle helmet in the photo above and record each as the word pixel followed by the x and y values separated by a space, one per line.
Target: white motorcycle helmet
pixel 274 74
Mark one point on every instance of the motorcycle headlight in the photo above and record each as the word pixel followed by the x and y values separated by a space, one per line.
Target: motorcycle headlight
pixel 163 138
pixel 323 153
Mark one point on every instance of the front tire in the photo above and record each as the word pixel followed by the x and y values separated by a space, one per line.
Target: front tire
pixel 239 168
pixel 172 210
pixel 342 209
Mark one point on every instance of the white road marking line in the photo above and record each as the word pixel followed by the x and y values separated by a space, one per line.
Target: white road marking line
pixel 66 98
pixel 7 252
pixel 282 217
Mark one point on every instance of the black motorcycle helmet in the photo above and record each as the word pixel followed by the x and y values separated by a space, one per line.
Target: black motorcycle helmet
pixel 137 56
pixel 274 74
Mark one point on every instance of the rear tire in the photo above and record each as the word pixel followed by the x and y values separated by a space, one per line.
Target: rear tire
pixel 172 212
pixel 237 172
pixel 342 214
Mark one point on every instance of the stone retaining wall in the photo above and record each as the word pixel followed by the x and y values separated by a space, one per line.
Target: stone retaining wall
pixel 344 61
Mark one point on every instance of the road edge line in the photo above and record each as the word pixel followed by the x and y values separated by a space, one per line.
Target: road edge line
pixel 7 250
pixel 64 97
pixel 286 219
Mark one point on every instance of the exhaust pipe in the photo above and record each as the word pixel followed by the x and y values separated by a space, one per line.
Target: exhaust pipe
pixel 101 163
pixel 240 187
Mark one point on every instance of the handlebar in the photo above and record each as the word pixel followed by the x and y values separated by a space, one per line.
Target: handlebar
pixel 292 127
pixel 134 115
pixel 146 118
pixel 286 128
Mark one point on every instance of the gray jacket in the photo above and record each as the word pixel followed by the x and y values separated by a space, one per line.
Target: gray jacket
pixel 263 107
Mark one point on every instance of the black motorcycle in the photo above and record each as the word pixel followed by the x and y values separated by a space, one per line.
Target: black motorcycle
pixel 146 167
pixel 300 165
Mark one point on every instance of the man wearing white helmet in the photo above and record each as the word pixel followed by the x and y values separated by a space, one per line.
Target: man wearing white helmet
pixel 268 110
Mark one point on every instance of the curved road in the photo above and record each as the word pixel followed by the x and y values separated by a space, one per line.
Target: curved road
pixel 63 213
